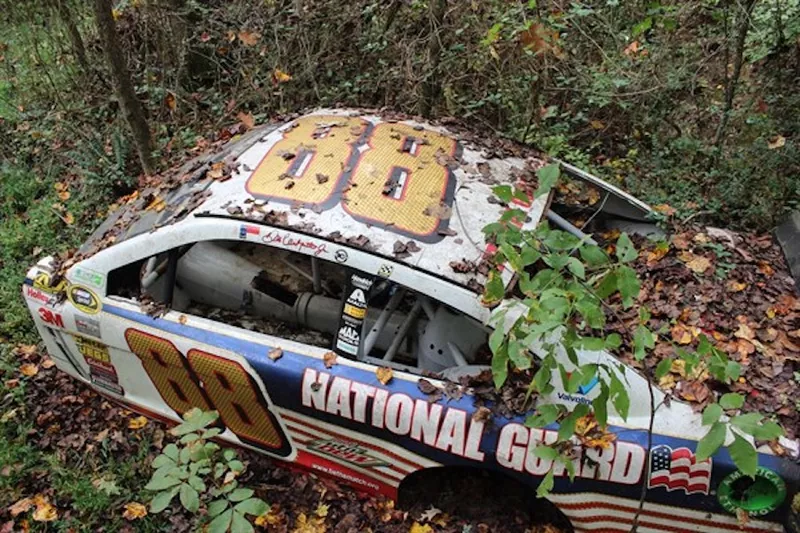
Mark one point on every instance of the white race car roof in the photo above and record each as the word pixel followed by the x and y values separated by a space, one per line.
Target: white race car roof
pixel 406 190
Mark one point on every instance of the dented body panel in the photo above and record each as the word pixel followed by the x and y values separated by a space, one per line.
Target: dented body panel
pixel 285 399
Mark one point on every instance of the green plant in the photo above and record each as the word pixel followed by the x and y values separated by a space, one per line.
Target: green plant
pixel 203 475
pixel 566 284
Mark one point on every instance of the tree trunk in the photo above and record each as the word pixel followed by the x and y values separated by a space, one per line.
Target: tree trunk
pixel 738 59
pixel 431 88
pixel 131 106
pixel 75 38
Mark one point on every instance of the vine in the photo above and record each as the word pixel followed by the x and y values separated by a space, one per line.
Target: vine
pixel 565 286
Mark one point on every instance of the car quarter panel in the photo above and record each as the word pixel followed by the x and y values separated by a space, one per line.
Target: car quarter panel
pixel 343 422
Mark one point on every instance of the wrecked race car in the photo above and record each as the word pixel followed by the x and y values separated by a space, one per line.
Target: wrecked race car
pixel 318 284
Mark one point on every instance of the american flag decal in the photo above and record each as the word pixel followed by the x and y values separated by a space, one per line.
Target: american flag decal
pixel 678 469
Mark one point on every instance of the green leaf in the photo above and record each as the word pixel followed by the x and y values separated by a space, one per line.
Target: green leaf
pixel 496 338
pixel 518 355
pixel 641 27
pixel 600 406
pixel 548 176
pixel 162 460
pixel 500 366
pixel 211 433
pixel 236 466
pixel 222 523
pixel 663 367
pixel 711 441
pixel 594 256
pixel 240 524
pixel 529 256
pixel 643 339
pixel 162 483
pixel 607 285
pixel 731 400
pixel 216 507
pixel 567 427
pixel 162 500
pixel 546 486
pixel 628 285
pixel 240 495
pixel 189 437
pixel 748 423
pixel 253 506
pixel 744 455
pixel 545 452
pixel 769 430
pixel 197 483
pixel 619 396
pixel 189 498
pixel 613 341
pixel 711 414
pixel 229 454
pixel 171 451
pixel 576 267
pixel 626 251
pixel 495 289
pixel 503 192
pixel 544 416
pixel 512 257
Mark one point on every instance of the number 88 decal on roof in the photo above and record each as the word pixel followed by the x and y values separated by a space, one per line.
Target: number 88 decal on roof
pixel 384 175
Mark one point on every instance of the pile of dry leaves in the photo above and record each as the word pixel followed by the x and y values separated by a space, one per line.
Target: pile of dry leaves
pixel 737 291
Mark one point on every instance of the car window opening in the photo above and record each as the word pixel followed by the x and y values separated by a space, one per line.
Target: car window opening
pixel 299 297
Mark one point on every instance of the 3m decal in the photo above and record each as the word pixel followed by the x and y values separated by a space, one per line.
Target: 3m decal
pixel 309 164
pixel 236 396
pixel 622 462
pixel 347 451
pixel 83 299
pixel 678 469
pixel 210 382
pixel 446 429
pixel 49 317
pixel 89 277
pixel 757 496
pixel 101 372
pixel 38 295
pixel 398 182
pixel 391 175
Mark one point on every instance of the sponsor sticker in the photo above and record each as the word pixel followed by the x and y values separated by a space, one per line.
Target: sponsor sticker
pixel 38 294
pixel 101 372
pixel 90 277
pixel 757 496
pixel 347 451
pixel 385 270
pixel 88 326
pixel 354 310
pixel 49 317
pixel 83 299
pixel 44 282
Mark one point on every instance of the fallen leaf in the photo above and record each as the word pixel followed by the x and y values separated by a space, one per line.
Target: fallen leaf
pixel 247 120
pixel 68 219
pixel 597 125
pixel 384 374
pixel 696 263
pixel 418 528
pixel 44 511
pixel 681 334
pixel 137 423
pixel 47 363
pixel 329 359
pixel 169 101
pixel 134 511
pixel 63 196
pixel 430 514
pixel 779 141
pixel 182 319
pixel 21 506
pixel 275 354
pixel 29 370
pixel 765 269
pixel 249 38
pixel 279 76
pixel 735 286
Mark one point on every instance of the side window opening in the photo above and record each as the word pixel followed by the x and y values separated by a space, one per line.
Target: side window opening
pixel 298 297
